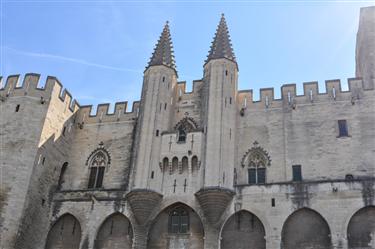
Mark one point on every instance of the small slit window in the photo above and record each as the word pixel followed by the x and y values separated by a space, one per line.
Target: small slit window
pixel 17 108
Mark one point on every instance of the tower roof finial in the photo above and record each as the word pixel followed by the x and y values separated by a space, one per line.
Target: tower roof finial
pixel 221 46
pixel 163 52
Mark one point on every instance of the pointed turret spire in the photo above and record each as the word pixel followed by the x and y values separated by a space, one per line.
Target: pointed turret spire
pixel 221 46
pixel 163 52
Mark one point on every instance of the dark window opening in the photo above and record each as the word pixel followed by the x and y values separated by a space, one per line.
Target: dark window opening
pixel 178 221
pixel 17 108
pixel 343 128
pixel 157 133
pixel 230 100
pixel 43 202
pixel 165 106
pixel 43 160
pixel 181 136
pixel 163 79
pixel 96 177
pixel 297 173
pixel 273 202
pixel 226 72
pixel 152 174
pixel 61 177
pixel 257 175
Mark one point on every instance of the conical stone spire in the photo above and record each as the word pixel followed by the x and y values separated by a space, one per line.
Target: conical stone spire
pixel 221 46
pixel 163 52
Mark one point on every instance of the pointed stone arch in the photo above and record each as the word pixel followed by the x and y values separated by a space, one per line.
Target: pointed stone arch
pixel 305 229
pixel 361 229
pixel 116 232
pixel 65 233
pixel 243 230
pixel 176 226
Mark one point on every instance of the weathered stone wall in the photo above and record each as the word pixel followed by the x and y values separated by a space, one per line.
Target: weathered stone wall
pixel 303 130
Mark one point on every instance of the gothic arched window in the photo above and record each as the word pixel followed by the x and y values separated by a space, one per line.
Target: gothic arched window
pixel 178 221
pixel 185 164
pixel 256 159
pixel 174 165
pixel 184 126
pixel 61 177
pixel 98 163
pixel 194 163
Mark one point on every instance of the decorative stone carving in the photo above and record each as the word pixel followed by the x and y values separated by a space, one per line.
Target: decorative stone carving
pixel 187 124
pixel 256 157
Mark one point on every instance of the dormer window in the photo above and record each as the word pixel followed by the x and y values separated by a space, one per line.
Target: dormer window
pixel 181 136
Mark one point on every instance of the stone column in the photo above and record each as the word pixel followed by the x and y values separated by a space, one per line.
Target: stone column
pixel 139 237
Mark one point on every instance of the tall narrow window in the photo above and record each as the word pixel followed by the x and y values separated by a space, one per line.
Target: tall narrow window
pixel 194 163
pixel 61 177
pixel 343 128
pixel 17 108
pixel 174 164
pixel 178 221
pixel 97 167
pixel 165 164
pixel 297 173
pixel 185 164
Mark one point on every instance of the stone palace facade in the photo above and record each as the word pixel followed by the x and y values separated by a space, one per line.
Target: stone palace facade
pixel 211 168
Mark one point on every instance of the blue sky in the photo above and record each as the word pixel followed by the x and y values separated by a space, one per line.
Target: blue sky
pixel 99 50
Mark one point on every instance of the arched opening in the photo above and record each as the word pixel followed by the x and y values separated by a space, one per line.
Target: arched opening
pixel 174 165
pixel 115 233
pixel 243 230
pixel 64 234
pixel 305 229
pixel 165 164
pixel 176 227
pixel 185 164
pixel 61 177
pixel 361 229
pixel 194 163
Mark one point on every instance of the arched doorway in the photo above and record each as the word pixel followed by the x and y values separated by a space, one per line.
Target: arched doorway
pixel 305 229
pixel 361 229
pixel 176 227
pixel 243 230
pixel 115 233
pixel 64 234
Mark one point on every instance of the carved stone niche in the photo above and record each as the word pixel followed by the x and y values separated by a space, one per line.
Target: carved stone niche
pixel 142 203
pixel 214 201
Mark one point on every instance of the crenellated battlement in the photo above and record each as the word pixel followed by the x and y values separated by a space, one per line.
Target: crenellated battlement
pixel 311 94
pixel 120 113
pixel 53 89
pixel 181 88
pixel 30 87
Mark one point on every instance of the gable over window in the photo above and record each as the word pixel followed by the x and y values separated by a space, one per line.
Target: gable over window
pixel 256 159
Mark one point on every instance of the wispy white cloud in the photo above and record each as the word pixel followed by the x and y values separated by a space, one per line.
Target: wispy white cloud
pixel 69 59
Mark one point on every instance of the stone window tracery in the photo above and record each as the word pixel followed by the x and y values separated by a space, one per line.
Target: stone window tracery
pixel 98 161
pixel 256 160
